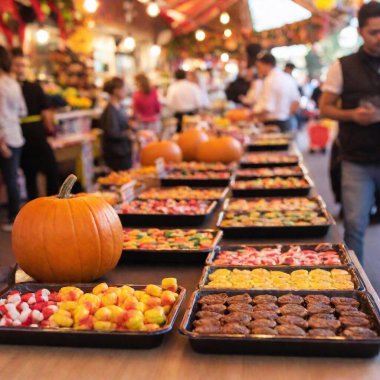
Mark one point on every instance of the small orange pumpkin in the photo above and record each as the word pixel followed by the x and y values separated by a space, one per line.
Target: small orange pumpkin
pixel 67 238
pixel 189 141
pixel 168 150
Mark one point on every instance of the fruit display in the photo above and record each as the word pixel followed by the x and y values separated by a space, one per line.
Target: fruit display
pixel 113 198
pixel 182 192
pixel 269 158
pixel 168 150
pixel 267 140
pixel 103 308
pixel 275 204
pixel 197 175
pixel 293 255
pixel 67 238
pixel 261 278
pixel 287 315
pixel 166 207
pixel 115 179
pixel 272 183
pixel 176 239
pixel 199 166
pixel 285 171
pixel 274 218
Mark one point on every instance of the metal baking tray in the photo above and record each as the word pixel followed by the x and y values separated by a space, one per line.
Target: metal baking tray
pixel 356 279
pixel 83 338
pixel 317 199
pixel 340 248
pixel 174 256
pixel 252 232
pixel 207 182
pixel 166 220
pixel 302 173
pixel 246 164
pixel 280 192
pixel 275 345
pixel 224 192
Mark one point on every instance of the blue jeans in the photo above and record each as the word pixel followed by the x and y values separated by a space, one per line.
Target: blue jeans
pixel 359 184
pixel 9 167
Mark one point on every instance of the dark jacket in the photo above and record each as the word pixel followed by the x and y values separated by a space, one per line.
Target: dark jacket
pixel 361 80
pixel 237 88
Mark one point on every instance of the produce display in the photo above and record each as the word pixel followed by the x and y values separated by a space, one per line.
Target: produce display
pixel 271 172
pixel 269 141
pixel 182 192
pixel 274 218
pixel 121 178
pixel 275 204
pixel 289 315
pixel 198 166
pixel 273 183
pixel 269 158
pixel 166 207
pixel 157 240
pixel 199 175
pixel 294 255
pixel 105 308
pixel 316 279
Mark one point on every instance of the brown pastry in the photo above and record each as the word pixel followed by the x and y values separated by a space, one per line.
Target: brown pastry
pixel 320 323
pixel 241 307
pixel 262 323
pixel 264 331
pixel 206 322
pixel 212 299
pixel 321 332
pixel 342 308
pixel 293 309
pixel 242 318
pixel 359 332
pixel 266 306
pixel 208 314
pixel 264 314
pixel 317 298
pixel 264 298
pixel 354 321
pixel 290 298
pixel 354 313
pixel 240 298
pixel 208 329
pixel 324 316
pixel 292 320
pixel 344 301
pixel 215 308
pixel 319 308
pixel 291 330
pixel 234 328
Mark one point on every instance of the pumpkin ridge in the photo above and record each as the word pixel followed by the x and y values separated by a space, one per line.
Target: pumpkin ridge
pixel 88 204
pixel 116 253
pixel 113 235
pixel 76 240
pixel 45 246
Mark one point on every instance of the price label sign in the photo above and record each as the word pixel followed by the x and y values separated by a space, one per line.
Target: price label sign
pixel 160 167
pixel 127 191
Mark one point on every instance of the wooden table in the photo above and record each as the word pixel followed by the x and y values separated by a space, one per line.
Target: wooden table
pixel 174 359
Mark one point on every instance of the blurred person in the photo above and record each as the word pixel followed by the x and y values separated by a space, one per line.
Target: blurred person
pixel 146 105
pixel 117 134
pixel 12 108
pixel 289 68
pixel 350 95
pixel 239 87
pixel 279 98
pixel 183 97
pixel 37 154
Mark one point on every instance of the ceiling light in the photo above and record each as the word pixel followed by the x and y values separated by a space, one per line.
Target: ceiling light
pixel 224 18
pixel 153 9
pixel 155 50
pixel 129 43
pixel 224 57
pixel 227 33
pixel 91 6
pixel 200 35
pixel 42 36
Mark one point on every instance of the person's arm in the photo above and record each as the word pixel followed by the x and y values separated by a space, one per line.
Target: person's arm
pixel 47 114
pixel 110 125
pixel 266 102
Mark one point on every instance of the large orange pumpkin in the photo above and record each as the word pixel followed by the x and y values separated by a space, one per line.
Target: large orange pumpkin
pixel 67 238
pixel 189 141
pixel 220 149
pixel 237 114
pixel 168 150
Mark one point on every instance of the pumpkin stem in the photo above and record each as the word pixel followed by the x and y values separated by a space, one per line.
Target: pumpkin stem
pixel 65 190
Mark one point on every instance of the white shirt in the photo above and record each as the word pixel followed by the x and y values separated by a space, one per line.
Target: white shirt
pixel 12 108
pixel 277 95
pixel 253 92
pixel 334 79
pixel 184 96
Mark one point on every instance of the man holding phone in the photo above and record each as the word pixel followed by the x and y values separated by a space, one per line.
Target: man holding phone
pixel 351 95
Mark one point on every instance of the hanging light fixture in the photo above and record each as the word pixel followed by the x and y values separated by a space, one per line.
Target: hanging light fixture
pixel 155 50
pixel 129 43
pixel 143 1
pixel 153 9
pixel 200 35
pixel 91 6
pixel 42 36
pixel 227 33
pixel 225 18
pixel 224 57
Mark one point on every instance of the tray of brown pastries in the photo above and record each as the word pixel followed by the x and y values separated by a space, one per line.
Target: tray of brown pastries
pixel 302 323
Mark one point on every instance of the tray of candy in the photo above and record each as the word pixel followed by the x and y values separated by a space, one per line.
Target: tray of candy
pixel 282 278
pixel 272 144
pixel 167 220
pixel 64 336
pixel 197 179
pixel 156 255
pixel 282 335
pixel 280 255
pixel 269 160
pixel 265 172
pixel 239 189
pixel 280 231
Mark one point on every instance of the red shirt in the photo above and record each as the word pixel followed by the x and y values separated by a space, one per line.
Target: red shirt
pixel 146 107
